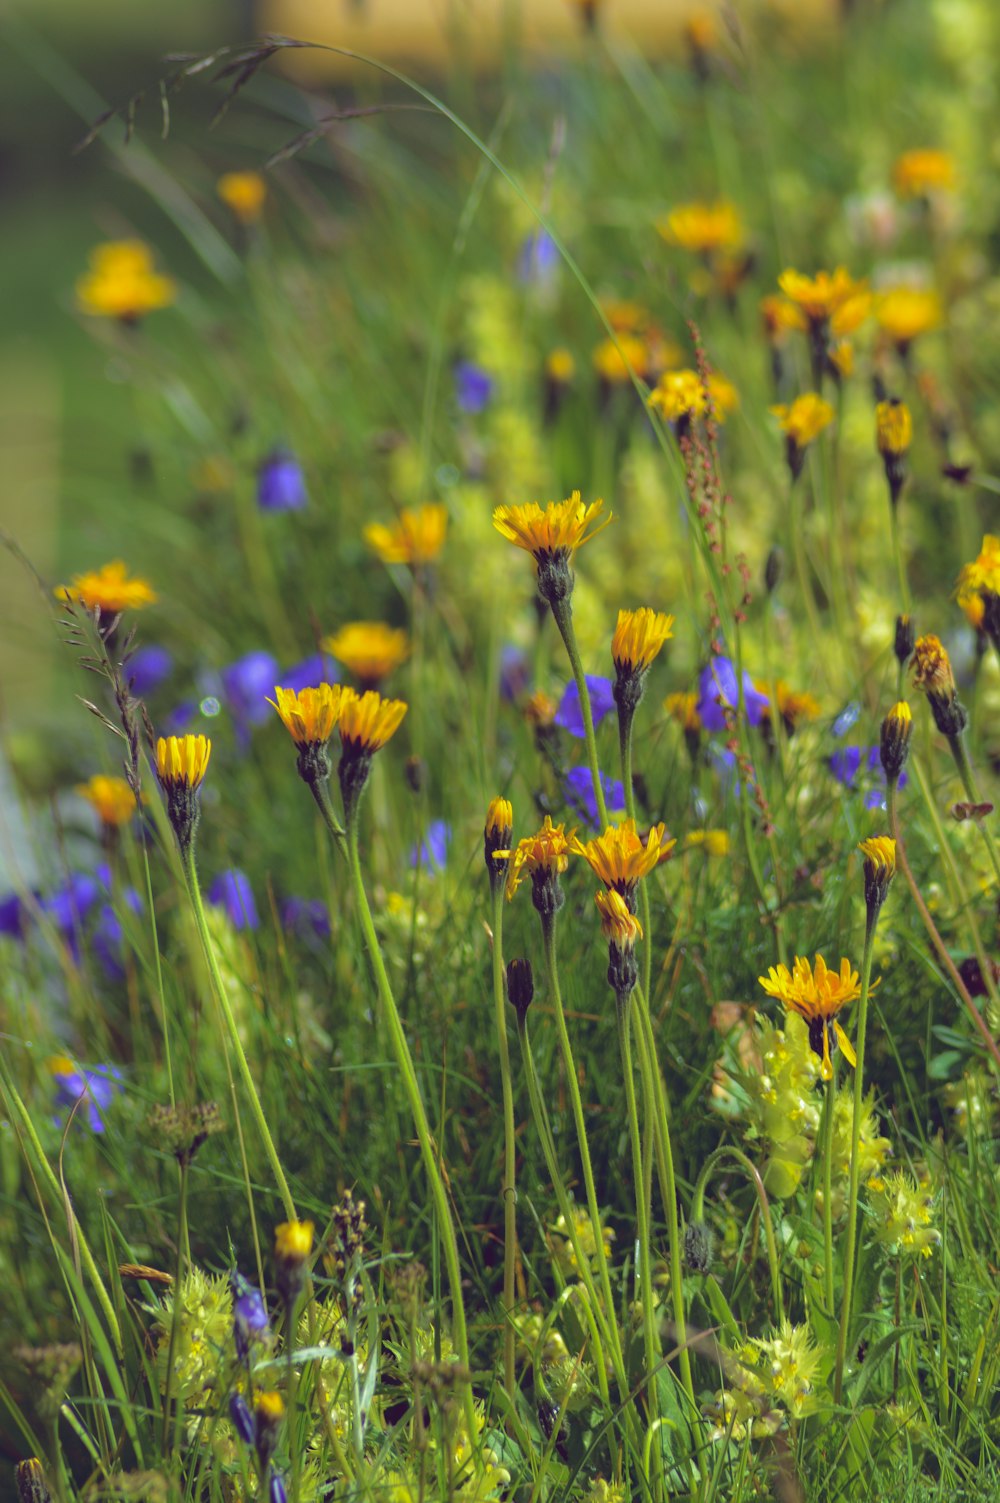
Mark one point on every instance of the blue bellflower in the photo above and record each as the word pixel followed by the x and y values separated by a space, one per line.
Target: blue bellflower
pixel 602 702
pixel 96 1087
pixel 718 689
pixel 281 485
pixel 432 851
pixel 473 387
pixel 147 669
pixel 246 685
pixel 231 890
pixel 578 788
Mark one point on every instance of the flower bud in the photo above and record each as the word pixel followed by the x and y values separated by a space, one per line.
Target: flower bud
pixel 31 1484
pixel 905 638
pixel 880 868
pixel 894 741
pixel 497 835
pixel 293 1243
pixel 520 986
pixel 268 1412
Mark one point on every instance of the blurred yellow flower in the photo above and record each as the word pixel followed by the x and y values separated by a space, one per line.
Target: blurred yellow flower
pixel 370 650
pixel 712 842
pixel 805 418
pixel 904 313
pixel 893 427
pixel 245 193
pixel 112 798
pixel 679 394
pixel 923 171
pixel 684 709
pixel 703 227
pixel 416 537
pixel 122 284
pixel 980 577
pixel 833 298
pixel 612 361
pixel 108 589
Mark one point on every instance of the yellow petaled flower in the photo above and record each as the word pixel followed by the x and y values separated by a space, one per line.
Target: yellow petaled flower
pixel 182 759
pixel 540 710
pixel 712 842
pixel 841 355
pixel 979 577
pixel 243 192
pixel 546 851
pixel 122 284
pixel 789 1364
pixel 416 537
pixel 902 1210
pixel 703 227
pixel 293 1241
pixel 724 396
pixel 923 171
pixel 619 858
pixel 932 666
pixel 817 995
pixel 560 529
pixel 108 589
pixel 820 299
pixel 879 852
pixel 638 638
pixel 368 649
pixel 793 704
pixel 269 1407
pixel 620 927
pixel 309 715
pixel 111 797
pixel 904 313
pixel 679 394
pixel 893 427
pixel 560 366
pixel 684 709
pixel 778 315
pixel 625 316
pixel 367 721
pixel 805 418
pixel 615 363
pixel 499 816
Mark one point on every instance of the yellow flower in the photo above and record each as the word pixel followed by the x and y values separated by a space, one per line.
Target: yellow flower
pixel 793 705
pixel 620 927
pixel 615 363
pixel 703 227
pixel 841 356
pixel 625 316
pixel 368 649
pixel 243 192
pixel 638 638
pixel 293 1241
pixel 879 852
pixel 108 589
pixel 546 851
pixel 122 284
pixel 817 995
pixel 789 1363
pixel 559 530
pixel 904 313
pixel 923 171
pixel 778 315
pixel 978 578
pixel 112 798
pixel 367 721
pixel 820 299
pixel 560 366
pixel 309 715
pixel 499 816
pixel 540 710
pixel 805 418
pixel 893 427
pixel 182 760
pixel 679 394
pixel 684 709
pixel 416 537
pixel 724 396
pixel 902 1211
pixel 619 858
pixel 712 842
pixel 497 834
pixel 932 666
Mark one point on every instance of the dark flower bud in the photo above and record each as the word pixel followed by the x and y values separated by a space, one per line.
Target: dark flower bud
pixel 773 569
pixel 31 1484
pixel 905 640
pixel 894 741
pixel 520 985
pixel 243 1421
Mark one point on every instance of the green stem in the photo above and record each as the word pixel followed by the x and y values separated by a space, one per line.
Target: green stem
pixel 411 1086
pixel 651 1343
pixel 175 1313
pixel 897 548
pixel 562 614
pixel 728 1150
pixel 510 1145
pixel 225 1007
pixel 827 1170
pixel 855 1176
pixel 625 720
pixel 971 787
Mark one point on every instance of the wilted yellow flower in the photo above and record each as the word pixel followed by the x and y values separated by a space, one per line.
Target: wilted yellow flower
pixel 182 761
pixel 923 171
pixel 108 589
pixel 615 363
pixel 618 924
pixel 817 995
pixel 679 394
pixel 243 192
pixel 560 529
pixel 370 650
pixel 619 859
pixel 805 418
pixel 309 715
pixel 367 721
pixel 932 666
pixel 904 313
pixel 703 227
pixel 638 637
pixel 122 284
pixel 546 851
pixel 112 798
pixel 416 537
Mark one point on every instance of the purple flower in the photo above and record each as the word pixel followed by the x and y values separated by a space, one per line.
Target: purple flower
pixel 538 260
pixel 848 716
pixel 433 849
pixel 312 671
pixel 473 387
pixel 724 762
pixel 249 1314
pixel 717 688
pixel 246 685
pixel 180 718
pixel 148 668
pixel 97 1087
pixel 281 485
pixel 242 1417
pixel 602 702
pixel 845 763
pixel 108 936
pixel 858 769
pixel 277 1492
pixel 515 673
pixel 231 890
pixel 306 916
pixel 578 788
pixel 13 916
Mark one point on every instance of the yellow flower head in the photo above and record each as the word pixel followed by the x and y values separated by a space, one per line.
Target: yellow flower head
pixel 415 538
pixel 560 366
pixel 368 649
pixel 540 710
pixel 904 313
pixel 805 418
pixel 821 298
pixel 269 1409
pixel 557 531
pixel 243 192
pixel 293 1241
pixel 625 316
pixel 112 798
pixel 367 721
pixel 723 395
pixel 679 394
pixel 182 760
pixel 684 709
pixel 793 704
pixel 309 715
pixel 893 428
pixel 712 842
pixel 980 578
pixel 499 817
pixel 497 832
pixel 618 925
pixel 108 589
pixel 547 852
pixel 817 995
pixel 615 362
pixel 703 227
pixel 932 666
pixel 638 638
pixel 778 316
pixel 902 1210
pixel 922 171
pixel 122 284
pixel 619 858
pixel 879 852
